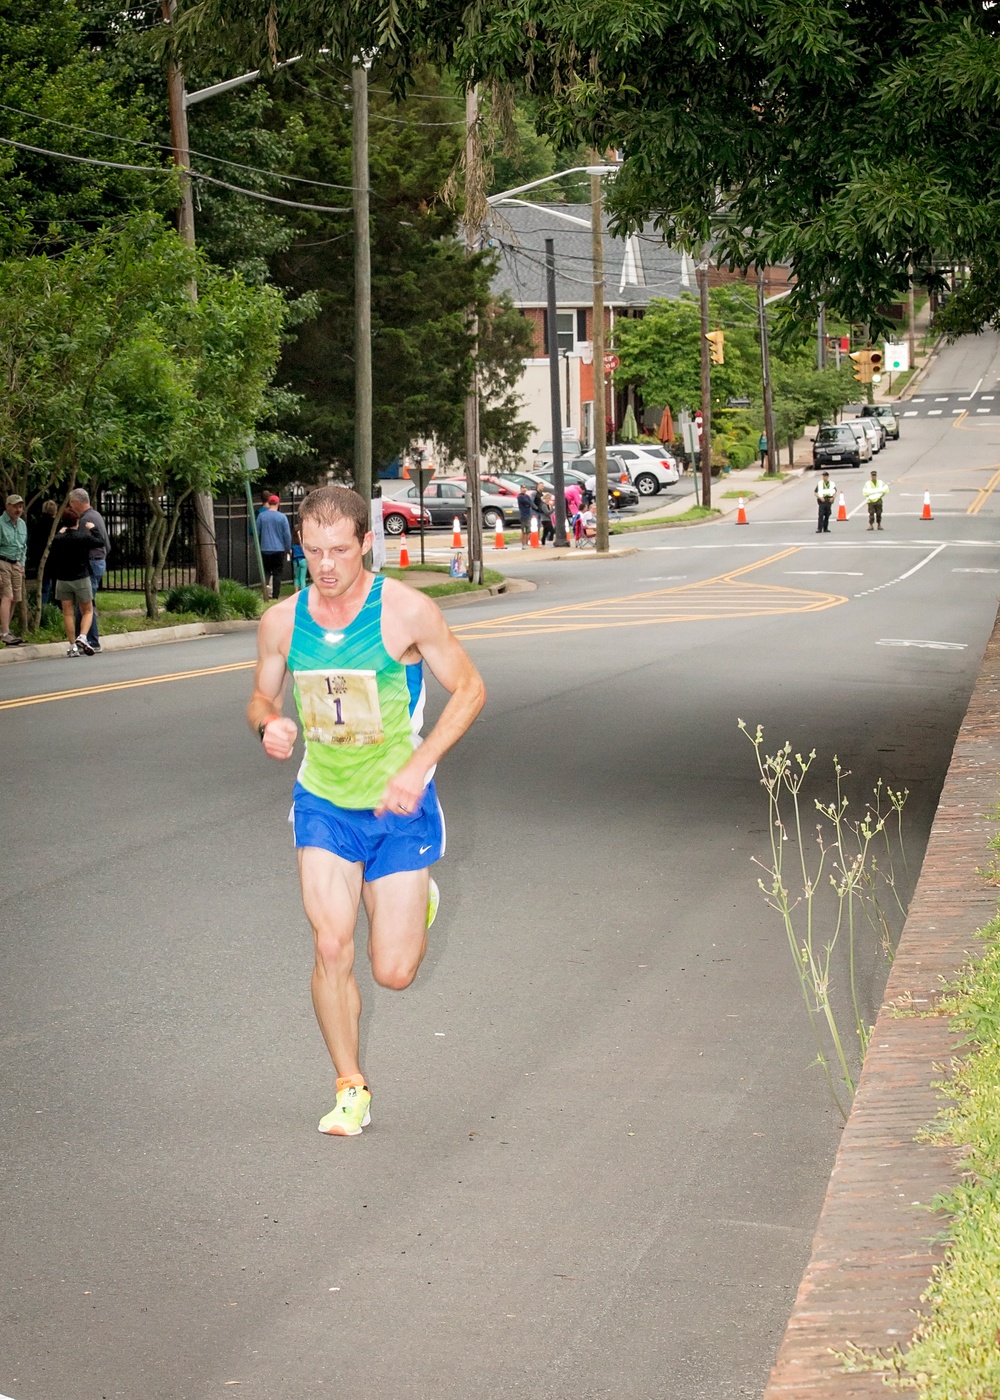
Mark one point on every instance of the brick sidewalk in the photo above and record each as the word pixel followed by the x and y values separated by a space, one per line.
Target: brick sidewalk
pixel 872 1253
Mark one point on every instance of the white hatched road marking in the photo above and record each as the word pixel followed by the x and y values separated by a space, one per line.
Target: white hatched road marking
pixel 931 646
pixel 934 413
pixel 976 571
pixel 900 577
pixel 832 573
pixel 910 413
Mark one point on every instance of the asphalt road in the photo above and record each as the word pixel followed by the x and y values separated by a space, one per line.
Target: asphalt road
pixel 599 1147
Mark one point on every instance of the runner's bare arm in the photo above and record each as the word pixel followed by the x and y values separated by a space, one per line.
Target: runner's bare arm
pixel 269 687
pixel 430 639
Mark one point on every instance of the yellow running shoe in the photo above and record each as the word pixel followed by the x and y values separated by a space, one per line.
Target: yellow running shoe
pixel 351 1112
pixel 433 901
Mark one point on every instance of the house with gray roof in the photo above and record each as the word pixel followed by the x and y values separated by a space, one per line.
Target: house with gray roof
pixel 637 270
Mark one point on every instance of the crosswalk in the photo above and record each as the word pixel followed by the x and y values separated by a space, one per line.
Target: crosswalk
pixel 950 405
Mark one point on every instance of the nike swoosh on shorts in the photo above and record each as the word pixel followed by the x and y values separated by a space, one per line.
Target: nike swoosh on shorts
pixel 423 849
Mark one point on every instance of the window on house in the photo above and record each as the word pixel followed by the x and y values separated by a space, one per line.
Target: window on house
pixel 581 323
pixel 564 331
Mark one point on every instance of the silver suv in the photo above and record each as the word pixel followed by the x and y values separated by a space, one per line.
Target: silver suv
pixel 651 467
pixel 886 415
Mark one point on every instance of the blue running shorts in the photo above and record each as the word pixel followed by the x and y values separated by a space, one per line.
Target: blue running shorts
pixel 384 845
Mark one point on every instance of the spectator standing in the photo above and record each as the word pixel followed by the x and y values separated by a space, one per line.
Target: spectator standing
pixel 300 569
pixel 547 519
pixel 98 561
pixel 275 544
pixel 13 554
pixel 525 507
pixel 39 531
pixel 762 449
pixel 71 569
pixel 538 503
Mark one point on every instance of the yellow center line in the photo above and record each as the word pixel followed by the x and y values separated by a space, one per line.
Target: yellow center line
pixel 124 685
pixel 984 493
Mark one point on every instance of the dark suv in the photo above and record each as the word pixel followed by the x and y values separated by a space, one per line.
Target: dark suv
pixel 836 442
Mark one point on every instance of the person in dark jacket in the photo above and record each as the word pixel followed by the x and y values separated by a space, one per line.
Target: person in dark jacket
pixel 70 557
pixel 99 546
pixel 525 506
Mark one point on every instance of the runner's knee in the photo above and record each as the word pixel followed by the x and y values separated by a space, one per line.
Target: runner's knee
pixel 397 970
pixel 334 949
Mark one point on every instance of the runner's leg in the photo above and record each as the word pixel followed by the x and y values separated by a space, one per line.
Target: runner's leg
pixel 331 890
pixel 397 922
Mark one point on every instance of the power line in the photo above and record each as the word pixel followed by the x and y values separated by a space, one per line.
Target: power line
pixel 156 146
pixel 166 170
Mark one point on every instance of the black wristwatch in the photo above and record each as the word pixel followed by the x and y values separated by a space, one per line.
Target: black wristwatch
pixel 262 726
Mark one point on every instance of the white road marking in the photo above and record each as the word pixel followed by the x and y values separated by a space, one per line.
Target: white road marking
pixel 984 397
pixel 653 578
pixel 976 571
pixel 910 413
pixel 918 401
pixel 934 413
pixel 942 399
pixel 909 573
pixel 933 646
pixel 833 573
pixel 982 410
pixel 972 392
pixel 958 410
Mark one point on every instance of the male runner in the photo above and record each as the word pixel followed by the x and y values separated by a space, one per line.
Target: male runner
pixel 366 817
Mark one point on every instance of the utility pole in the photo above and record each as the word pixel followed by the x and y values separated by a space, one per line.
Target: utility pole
pixel 206 552
pixel 911 329
pixel 597 340
pixel 362 282
pixel 765 374
pixel 821 337
pixel 558 479
pixel 706 391
pixel 475 203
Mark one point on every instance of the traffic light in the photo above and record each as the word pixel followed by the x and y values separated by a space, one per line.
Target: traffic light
pixel 863 365
pixel 875 360
pixel 717 341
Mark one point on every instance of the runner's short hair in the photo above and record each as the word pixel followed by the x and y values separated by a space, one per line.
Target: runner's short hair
pixel 328 504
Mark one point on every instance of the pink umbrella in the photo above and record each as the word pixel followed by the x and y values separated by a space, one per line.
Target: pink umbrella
pixel 666 429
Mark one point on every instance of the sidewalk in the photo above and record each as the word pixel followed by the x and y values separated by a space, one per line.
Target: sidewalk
pixel 875 1244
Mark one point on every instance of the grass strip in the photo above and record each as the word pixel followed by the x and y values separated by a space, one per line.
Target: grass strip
pixel 955 1351
pixel 448 586
pixel 739 495
pixel 661 522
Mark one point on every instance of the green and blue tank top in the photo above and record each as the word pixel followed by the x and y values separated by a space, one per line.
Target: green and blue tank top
pixel 360 709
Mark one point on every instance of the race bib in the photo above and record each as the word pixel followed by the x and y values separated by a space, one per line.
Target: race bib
pixel 340 707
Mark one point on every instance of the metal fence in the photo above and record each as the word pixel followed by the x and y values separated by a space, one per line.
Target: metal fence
pixel 126 517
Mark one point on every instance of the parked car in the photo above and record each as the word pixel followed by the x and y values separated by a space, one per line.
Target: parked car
pixel 875 431
pixel 886 415
pixel 444 498
pixel 571 447
pixel 651 468
pixel 864 441
pixel 837 443
pixel 400 517
pixel 621 494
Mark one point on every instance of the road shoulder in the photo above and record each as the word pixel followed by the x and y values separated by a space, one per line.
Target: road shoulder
pixel 874 1250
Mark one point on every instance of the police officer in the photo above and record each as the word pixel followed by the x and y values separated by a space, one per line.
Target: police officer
pixel 825 493
pixel 874 492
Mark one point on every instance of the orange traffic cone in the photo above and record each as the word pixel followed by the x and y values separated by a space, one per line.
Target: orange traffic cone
pixel 741 515
pixel 534 541
pixel 569 532
pixel 499 542
pixel 404 554
pixel 925 514
pixel 456 534
pixel 841 508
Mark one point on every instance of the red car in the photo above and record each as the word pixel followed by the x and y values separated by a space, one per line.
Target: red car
pixel 399 517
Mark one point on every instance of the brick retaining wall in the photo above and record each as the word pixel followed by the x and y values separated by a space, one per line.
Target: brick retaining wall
pixel 872 1256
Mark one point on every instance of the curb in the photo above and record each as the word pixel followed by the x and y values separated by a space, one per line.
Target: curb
pixel 571 556
pixel 125 641
pixel 187 631
pixel 875 1244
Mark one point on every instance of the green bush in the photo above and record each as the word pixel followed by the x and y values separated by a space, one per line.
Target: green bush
pixel 196 598
pixel 239 601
